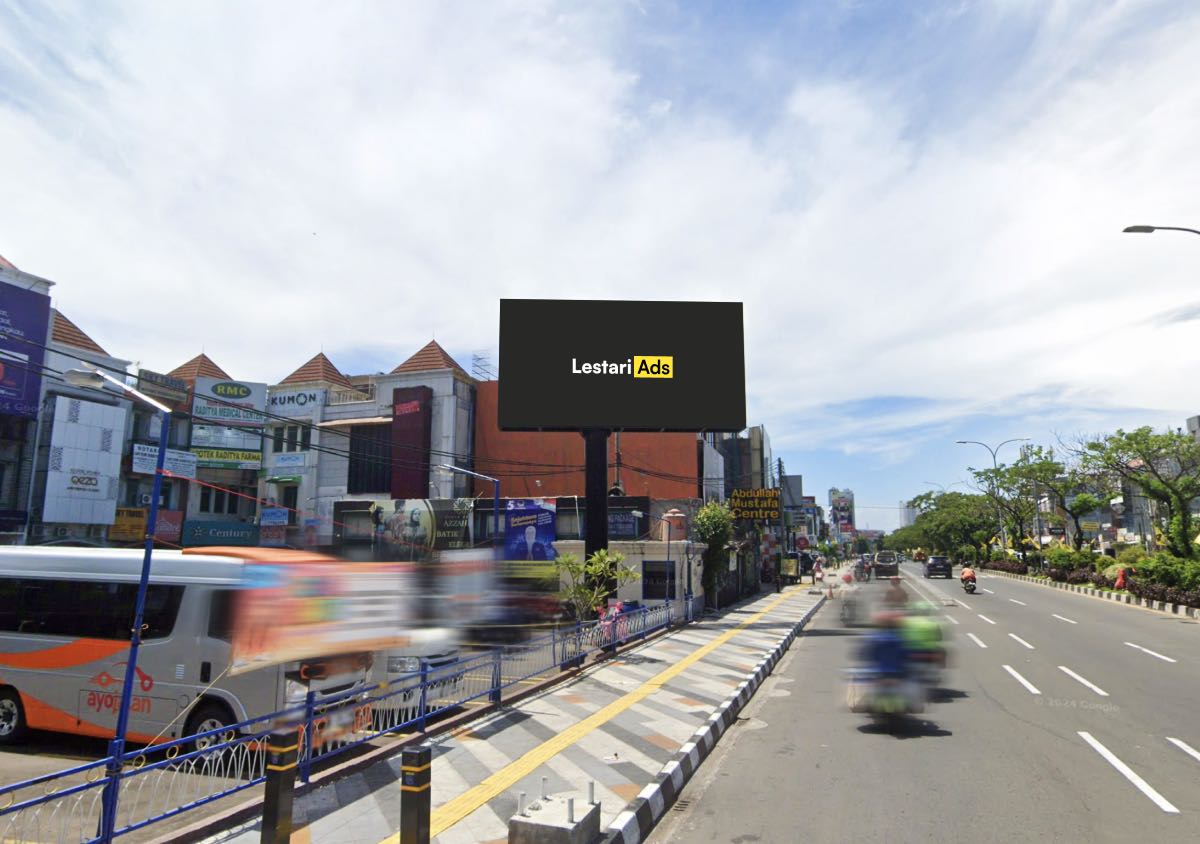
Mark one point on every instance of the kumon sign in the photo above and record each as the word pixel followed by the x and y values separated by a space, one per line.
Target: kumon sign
pixel 755 505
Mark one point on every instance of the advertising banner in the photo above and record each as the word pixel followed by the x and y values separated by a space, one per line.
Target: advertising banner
pixel 273 516
pixel 755 504
pixel 530 529
pixel 1088 525
pixel 672 366
pixel 272 536
pixel 181 464
pixel 168 527
pixel 621 525
pixel 417 527
pixel 171 390
pixel 83 472
pixel 219 533
pixel 24 321
pixel 129 525
pixel 218 458
pixel 412 420
pixel 295 403
pixel 305 605
pixel 228 415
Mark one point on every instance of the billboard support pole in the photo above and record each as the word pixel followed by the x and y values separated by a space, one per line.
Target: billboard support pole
pixel 595 488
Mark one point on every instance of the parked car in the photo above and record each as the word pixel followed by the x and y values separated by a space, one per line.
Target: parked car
pixel 938 566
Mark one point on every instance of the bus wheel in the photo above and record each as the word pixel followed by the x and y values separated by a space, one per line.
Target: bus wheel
pixel 12 717
pixel 207 717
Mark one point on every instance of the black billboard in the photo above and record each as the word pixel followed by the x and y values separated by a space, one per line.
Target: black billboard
pixel 566 365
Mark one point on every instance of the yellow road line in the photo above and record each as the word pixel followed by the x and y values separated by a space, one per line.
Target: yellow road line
pixel 453 811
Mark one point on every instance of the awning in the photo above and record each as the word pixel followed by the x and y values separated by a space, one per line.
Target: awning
pixel 368 420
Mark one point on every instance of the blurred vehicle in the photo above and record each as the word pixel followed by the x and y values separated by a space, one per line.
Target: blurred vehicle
pixel 886 564
pixel 938 566
pixel 65 614
pixel 884 685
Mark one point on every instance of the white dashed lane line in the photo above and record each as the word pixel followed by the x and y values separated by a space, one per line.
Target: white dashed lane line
pixel 976 640
pixel 989 591
pixel 985 618
pixel 950 619
pixel 1015 601
pixel 1152 653
pixel 1083 680
pixel 1190 751
pixel 1128 773
pixel 1022 641
pixel 1029 687
pixel 1067 620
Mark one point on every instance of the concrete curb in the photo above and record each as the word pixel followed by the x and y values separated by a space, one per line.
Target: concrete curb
pixel 634 824
pixel 1115 597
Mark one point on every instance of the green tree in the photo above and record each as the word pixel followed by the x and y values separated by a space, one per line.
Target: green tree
pixel 713 527
pixel 1165 466
pixel 589 581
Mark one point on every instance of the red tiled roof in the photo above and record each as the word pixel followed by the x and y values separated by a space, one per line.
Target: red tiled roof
pixel 432 356
pixel 4 262
pixel 199 366
pixel 319 368
pixel 69 334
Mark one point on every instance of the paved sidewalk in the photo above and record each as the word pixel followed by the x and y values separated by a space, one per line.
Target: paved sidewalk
pixel 616 724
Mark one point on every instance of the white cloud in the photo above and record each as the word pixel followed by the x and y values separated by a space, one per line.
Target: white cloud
pixel 264 180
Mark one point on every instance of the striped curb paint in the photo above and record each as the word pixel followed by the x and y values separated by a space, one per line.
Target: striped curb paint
pixel 634 824
pixel 1115 597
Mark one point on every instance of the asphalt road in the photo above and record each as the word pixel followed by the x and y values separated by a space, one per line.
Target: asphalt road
pixel 1053 726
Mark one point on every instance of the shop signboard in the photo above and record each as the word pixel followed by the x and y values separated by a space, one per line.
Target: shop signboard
pixel 757 505
pixel 273 516
pixel 129 525
pixel 672 366
pixel 197 532
pixel 412 420
pixel 180 464
pixel 166 387
pixel 228 414
pixel 295 403
pixel 417 527
pixel 24 321
pixel 168 527
pixel 224 458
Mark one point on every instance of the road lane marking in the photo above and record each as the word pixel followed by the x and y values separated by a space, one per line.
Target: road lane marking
pixel 1032 689
pixel 985 618
pixel 976 640
pixel 1022 641
pixel 1128 773
pixel 1067 620
pixel 950 619
pixel 1015 601
pixel 454 810
pixel 989 591
pixel 1190 751
pixel 1082 680
pixel 1152 653
pixel 962 604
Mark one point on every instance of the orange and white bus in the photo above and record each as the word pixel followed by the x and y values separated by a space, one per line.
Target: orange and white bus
pixel 65 615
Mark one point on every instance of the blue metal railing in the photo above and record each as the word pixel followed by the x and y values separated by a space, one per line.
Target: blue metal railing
pixel 167 779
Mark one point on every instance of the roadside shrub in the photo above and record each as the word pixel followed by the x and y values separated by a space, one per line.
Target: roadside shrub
pixel 1011 566
pixel 1131 557
pixel 1162 592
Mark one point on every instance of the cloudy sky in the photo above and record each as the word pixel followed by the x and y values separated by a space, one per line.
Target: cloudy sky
pixel 920 204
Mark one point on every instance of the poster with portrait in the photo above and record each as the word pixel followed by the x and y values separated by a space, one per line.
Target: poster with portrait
pixel 530 529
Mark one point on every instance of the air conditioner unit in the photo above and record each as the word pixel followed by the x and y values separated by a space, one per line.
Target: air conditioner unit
pixel 96 531
pixel 144 499
pixel 61 532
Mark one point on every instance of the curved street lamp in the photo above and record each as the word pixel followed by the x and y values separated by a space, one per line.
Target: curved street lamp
pixel 1150 229
pixel 995 465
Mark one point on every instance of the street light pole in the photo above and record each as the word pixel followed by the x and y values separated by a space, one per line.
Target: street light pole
pixel 95 378
pixel 996 466
pixel 1150 229
pixel 496 540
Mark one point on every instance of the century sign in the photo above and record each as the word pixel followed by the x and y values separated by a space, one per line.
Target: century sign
pixel 636 366
pixel 755 504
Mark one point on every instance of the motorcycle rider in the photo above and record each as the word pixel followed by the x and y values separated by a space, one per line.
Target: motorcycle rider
pixel 923 635
pixel 896 597
pixel 967 576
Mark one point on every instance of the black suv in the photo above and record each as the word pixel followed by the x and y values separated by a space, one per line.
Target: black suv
pixel 939 566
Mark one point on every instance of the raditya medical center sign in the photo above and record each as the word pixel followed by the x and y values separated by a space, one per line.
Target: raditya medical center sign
pixel 227 423
pixel 83 472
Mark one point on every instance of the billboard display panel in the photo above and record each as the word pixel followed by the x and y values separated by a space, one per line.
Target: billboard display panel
pixel 530 529
pixel 24 316
pixel 85 462
pixel 412 421
pixel 227 415
pixel 648 366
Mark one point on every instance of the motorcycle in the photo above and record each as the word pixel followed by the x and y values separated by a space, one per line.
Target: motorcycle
pixel 968 585
pixel 883 698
